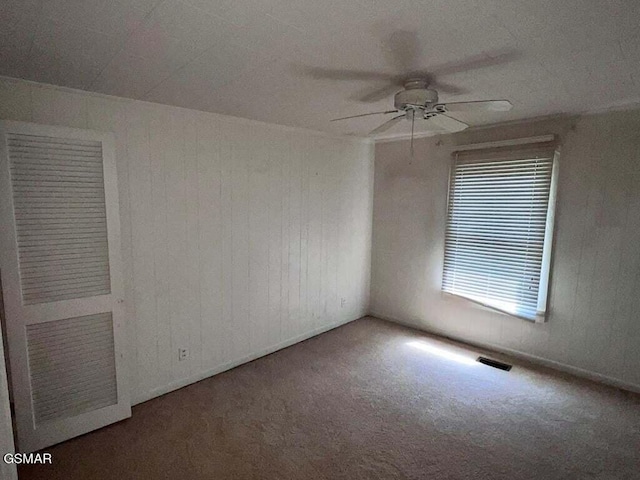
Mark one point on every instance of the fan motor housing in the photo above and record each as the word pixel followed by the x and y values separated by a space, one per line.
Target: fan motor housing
pixel 422 97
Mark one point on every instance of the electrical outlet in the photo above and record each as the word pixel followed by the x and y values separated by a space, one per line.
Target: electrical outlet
pixel 343 302
pixel 183 354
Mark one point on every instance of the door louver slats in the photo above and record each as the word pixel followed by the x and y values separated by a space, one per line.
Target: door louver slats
pixel 72 366
pixel 60 214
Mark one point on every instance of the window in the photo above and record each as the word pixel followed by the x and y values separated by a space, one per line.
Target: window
pixel 499 225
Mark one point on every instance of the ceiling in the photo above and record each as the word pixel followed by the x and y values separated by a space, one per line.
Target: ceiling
pixel 250 58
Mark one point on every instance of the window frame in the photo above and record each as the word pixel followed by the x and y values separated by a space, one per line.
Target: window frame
pixel 542 310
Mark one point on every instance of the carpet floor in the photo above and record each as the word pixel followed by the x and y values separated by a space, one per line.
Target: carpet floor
pixel 369 400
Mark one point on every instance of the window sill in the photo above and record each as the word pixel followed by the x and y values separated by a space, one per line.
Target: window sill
pixel 453 297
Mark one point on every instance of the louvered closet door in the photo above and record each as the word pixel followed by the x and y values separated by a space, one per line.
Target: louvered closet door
pixel 61 281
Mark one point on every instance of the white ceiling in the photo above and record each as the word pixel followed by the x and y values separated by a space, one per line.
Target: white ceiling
pixel 247 57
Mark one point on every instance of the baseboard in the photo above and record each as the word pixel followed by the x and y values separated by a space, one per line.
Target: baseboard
pixel 545 362
pixel 183 382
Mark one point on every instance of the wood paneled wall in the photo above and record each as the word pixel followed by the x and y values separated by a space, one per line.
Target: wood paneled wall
pixel 238 237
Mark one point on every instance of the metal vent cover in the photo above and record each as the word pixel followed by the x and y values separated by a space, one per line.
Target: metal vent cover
pixel 494 363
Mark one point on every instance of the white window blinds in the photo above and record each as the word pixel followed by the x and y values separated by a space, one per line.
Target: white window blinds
pixel 499 223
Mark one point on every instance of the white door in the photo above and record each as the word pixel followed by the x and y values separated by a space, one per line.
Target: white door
pixel 62 281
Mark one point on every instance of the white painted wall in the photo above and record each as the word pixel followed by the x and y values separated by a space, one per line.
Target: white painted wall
pixel 594 324
pixel 239 237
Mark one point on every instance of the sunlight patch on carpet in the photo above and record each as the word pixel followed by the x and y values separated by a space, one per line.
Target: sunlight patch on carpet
pixel 443 353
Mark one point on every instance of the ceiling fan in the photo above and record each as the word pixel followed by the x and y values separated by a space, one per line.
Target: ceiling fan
pixel 419 102
pixel 418 99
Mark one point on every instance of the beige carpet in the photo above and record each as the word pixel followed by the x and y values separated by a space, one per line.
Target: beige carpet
pixel 370 400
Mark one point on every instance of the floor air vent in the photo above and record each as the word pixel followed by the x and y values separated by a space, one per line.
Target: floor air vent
pixel 494 363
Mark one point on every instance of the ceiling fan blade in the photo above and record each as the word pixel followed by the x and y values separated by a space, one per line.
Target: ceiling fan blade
pixel 448 123
pixel 447 88
pixel 378 94
pixel 386 125
pixel 475 62
pixel 344 74
pixel 477 106
pixel 363 115
pixel 403 50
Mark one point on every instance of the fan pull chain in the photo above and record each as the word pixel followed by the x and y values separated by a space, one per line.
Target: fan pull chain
pixel 413 120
